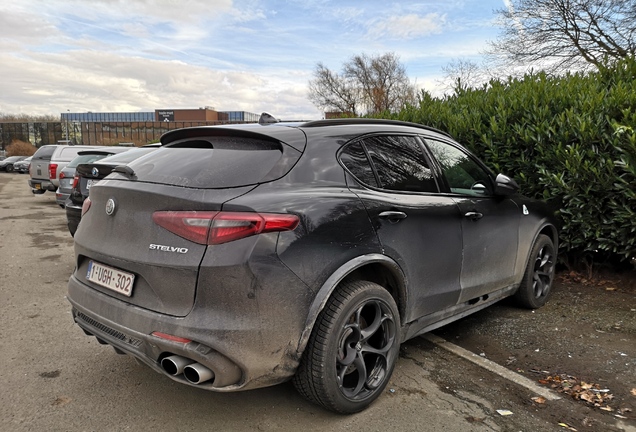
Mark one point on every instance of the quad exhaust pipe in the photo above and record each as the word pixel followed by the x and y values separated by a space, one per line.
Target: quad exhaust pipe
pixel 194 372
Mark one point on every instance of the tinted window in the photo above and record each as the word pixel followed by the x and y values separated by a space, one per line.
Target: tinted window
pixel 85 159
pixel 226 162
pixel 355 159
pixel 400 163
pixel 44 152
pixel 128 156
pixel 463 174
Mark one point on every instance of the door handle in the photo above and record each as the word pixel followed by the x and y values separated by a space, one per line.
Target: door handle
pixel 473 215
pixel 393 216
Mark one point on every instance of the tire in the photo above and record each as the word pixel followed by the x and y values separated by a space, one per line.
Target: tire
pixel 9 168
pixel 352 349
pixel 536 286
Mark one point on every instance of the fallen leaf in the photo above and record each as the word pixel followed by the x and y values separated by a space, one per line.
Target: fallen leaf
pixel 504 412
pixel 610 289
pixel 606 408
pixel 539 399
pixel 61 401
pixel 568 427
pixel 633 391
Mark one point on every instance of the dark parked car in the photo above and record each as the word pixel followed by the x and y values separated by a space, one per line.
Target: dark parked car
pixel 7 164
pixel 67 174
pixel 237 257
pixel 88 174
pixel 22 166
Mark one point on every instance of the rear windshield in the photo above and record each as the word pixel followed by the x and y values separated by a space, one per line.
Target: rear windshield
pixel 211 162
pixel 86 159
pixel 67 153
pixel 128 156
pixel 44 152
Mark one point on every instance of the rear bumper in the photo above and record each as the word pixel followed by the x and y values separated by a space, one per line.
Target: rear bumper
pixel 243 327
pixel 61 197
pixel 41 185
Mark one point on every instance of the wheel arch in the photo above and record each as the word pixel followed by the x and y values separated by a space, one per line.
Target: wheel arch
pixel 376 268
pixel 551 231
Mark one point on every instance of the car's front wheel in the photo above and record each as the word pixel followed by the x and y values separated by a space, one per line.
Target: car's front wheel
pixel 536 286
pixel 352 349
pixel 9 168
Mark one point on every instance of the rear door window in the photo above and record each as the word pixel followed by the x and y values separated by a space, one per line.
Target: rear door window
pixel 397 163
pixel 213 162
pixel 355 159
pixel 400 163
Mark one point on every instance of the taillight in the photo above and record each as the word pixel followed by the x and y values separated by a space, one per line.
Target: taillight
pixel 75 182
pixel 222 227
pixel 62 176
pixel 52 170
pixel 86 205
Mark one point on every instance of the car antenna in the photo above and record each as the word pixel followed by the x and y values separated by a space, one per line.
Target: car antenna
pixel 267 118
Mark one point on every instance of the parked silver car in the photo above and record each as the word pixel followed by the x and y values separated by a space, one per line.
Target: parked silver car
pixel 68 172
pixel 22 166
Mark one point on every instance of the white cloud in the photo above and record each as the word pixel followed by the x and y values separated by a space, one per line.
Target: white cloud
pixel 407 26
pixel 95 81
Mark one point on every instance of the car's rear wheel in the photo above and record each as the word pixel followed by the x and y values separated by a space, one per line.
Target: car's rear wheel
pixel 352 349
pixel 9 168
pixel 536 286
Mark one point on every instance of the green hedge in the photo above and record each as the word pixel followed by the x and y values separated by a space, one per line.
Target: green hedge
pixel 569 138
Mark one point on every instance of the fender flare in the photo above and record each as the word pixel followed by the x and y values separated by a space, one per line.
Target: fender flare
pixel 328 287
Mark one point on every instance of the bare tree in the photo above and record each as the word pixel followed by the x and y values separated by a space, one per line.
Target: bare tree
pixel 557 35
pixel 333 91
pixel 366 84
pixel 461 74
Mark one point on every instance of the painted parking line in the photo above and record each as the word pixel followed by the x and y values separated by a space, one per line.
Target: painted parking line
pixel 492 367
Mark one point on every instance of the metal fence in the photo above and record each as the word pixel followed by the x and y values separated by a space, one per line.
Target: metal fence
pixel 90 133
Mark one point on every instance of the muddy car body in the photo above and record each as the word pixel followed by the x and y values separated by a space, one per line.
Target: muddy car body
pixel 240 257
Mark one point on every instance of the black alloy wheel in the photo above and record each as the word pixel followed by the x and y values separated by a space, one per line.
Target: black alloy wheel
pixel 352 350
pixel 536 286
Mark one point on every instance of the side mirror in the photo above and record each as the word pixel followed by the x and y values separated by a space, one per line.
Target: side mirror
pixel 504 185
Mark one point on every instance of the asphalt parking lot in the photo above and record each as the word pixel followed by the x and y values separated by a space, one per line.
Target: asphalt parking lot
pixel 55 378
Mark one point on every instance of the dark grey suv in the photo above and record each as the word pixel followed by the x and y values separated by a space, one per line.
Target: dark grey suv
pixel 242 256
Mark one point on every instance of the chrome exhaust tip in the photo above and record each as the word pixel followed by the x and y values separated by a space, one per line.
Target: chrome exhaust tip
pixel 175 364
pixel 197 373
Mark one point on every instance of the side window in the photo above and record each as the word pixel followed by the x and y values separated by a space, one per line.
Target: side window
pixel 400 163
pixel 355 159
pixel 463 174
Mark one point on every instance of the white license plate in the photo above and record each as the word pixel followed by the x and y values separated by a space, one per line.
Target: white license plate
pixel 91 183
pixel 111 278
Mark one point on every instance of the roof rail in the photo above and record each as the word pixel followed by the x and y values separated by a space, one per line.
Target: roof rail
pixel 358 121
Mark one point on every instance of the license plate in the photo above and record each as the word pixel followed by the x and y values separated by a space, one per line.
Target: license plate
pixel 38 186
pixel 91 183
pixel 111 278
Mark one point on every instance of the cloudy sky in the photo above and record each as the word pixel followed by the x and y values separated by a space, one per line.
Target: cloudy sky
pixel 233 55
